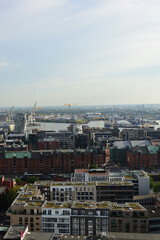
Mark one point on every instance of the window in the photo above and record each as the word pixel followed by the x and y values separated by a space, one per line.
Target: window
pixel 90 212
pixel 32 211
pixel 65 212
pixel 75 212
pixel 44 211
pixel 49 212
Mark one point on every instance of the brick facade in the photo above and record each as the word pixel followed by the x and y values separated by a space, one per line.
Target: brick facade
pixel 47 162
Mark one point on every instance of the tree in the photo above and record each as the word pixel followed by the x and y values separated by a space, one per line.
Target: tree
pixel 156 187
pixel 92 166
pixel 18 180
pixel 12 194
pixel 152 185
pixel 32 179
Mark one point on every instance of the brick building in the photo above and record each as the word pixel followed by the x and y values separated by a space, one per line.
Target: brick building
pixel 48 144
pixel 49 161
pixel 143 158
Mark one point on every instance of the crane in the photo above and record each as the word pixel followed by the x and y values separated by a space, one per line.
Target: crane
pixel 33 112
pixel 10 117
pixel 69 105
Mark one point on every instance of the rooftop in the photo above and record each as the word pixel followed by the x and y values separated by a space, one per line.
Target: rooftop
pixel 91 204
pixel 127 206
pixel 14 232
pixel 95 183
pixel 54 204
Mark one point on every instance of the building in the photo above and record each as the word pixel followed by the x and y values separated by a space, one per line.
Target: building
pixel 128 217
pixel 87 191
pixel 20 232
pixel 27 209
pixel 65 138
pixel 89 218
pixel 80 140
pixel 49 161
pixel 118 152
pixel 140 180
pixel 48 144
pixel 143 158
pixel 75 217
pixel 133 134
pixel 20 122
pixel 154 219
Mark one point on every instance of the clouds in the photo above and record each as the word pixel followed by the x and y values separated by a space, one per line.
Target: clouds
pixel 66 49
pixel 3 64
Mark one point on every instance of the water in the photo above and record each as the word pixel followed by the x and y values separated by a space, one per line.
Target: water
pixel 63 126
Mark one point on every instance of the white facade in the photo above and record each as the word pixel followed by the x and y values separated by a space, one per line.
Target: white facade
pixel 56 220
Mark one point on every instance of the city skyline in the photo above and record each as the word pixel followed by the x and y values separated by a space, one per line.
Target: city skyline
pixel 87 52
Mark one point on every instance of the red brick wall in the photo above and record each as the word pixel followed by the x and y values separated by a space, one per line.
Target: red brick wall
pixel 143 161
pixel 60 163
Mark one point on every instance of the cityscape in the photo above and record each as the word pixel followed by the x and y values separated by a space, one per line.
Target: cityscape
pixel 75 172
pixel 79 120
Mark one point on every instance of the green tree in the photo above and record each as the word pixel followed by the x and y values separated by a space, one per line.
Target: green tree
pixel 18 180
pixel 12 194
pixel 92 166
pixel 156 187
pixel 32 179
pixel 151 181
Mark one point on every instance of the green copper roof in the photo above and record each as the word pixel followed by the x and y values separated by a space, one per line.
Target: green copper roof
pixel 18 154
pixel 152 149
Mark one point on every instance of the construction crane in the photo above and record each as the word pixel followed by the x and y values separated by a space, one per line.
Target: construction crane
pixel 33 112
pixel 69 105
pixel 10 115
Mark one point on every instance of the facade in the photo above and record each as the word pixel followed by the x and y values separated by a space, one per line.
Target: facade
pixel 122 219
pixel 88 191
pixel 65 138
pixel 143 158
pixel 89 219
pixel 48 144
pixel 20 123
pixel 140 180
pixel 133 134
pixel 80 140
pixel 27 209
pixel 74 217
pixel 120 192
pixel 49 161
pixel 56 217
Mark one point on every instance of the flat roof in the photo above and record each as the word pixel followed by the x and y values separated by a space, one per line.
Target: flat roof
pixel 14 232
pixel 55 204
pixel 95 183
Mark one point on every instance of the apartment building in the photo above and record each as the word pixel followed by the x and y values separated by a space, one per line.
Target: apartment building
pixel 89 218
pixel 120 192
pixel 128 217
pixel 84 191
pixel 56 217
pixel 74 217
pixel 139 178
pixel 27 209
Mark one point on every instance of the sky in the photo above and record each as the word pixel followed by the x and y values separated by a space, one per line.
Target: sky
pixel 85 52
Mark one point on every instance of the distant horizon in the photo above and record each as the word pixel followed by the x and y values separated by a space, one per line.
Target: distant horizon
pixel 77 106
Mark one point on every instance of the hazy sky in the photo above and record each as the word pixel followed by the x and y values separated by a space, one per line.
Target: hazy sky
pixel 79 51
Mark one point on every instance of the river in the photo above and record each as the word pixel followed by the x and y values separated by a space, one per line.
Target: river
pixel 63 126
